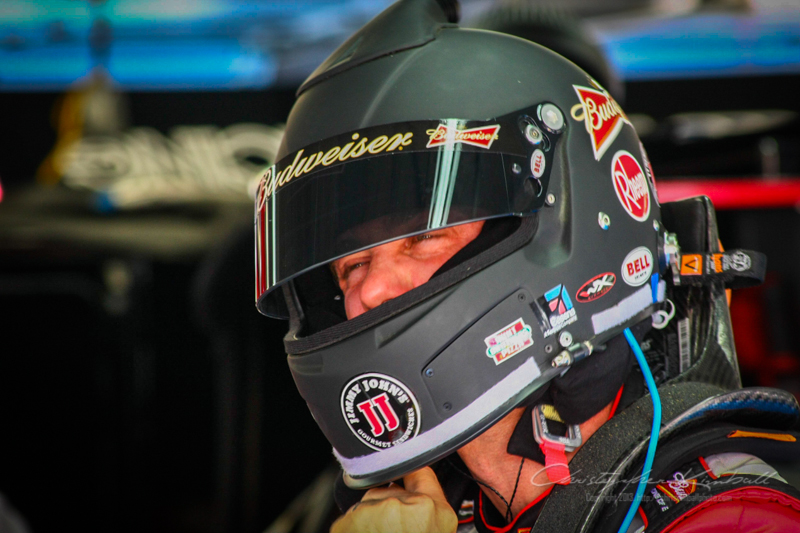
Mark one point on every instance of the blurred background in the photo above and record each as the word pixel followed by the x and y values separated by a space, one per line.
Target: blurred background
pixel 139 388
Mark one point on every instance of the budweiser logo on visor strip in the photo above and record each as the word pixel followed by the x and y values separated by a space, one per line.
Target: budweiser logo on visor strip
pixel 482 137
pixel 602 116
pixel 301 164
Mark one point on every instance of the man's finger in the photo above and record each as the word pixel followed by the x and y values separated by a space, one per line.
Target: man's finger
pixel 383 492
pixel 424 481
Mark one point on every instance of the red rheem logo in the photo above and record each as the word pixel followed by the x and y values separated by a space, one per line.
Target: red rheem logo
pixel 630 185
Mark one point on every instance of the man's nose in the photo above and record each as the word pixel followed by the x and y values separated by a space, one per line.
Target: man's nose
pixel 385 279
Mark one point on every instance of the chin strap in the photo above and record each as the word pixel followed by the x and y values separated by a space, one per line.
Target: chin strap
pixel 554 446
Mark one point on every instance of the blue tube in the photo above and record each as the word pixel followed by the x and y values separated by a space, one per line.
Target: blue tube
pixel 651 448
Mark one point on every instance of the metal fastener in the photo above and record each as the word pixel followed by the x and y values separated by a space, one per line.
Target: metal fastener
pixel 604 220
pixel 656 225
pixel 516 169
pixel 429 372
pixel 565 339
pixel 562 359
pixel 550 199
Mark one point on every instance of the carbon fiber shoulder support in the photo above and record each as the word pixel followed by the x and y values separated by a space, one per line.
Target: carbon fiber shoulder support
pixel 622 441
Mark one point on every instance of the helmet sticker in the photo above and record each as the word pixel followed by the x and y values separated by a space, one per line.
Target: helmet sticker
pixel 537 163
pixel 596 287
pixel 638 266
pixel 691 265
pixel 738 261
pixel 380 411
pixel 648 169
pixel 509 341
pixel 557 309
pixel 482 137
pixel 630 185
pixel 602 116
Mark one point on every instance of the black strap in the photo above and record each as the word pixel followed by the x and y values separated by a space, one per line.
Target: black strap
pixel 735 268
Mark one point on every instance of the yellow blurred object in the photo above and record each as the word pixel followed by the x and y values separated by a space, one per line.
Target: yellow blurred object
pixel 550 413
pixel 92 107
pixel 68 119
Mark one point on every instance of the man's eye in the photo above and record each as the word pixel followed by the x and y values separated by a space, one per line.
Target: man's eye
pixel 351 267
pixel 423 237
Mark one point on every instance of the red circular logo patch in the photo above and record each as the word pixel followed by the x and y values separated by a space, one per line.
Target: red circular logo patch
pixel 596 287
pixel 381 411
pixel 630 185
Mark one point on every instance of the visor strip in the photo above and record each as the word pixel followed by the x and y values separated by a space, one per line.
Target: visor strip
pixel 627 308
pixel 480 408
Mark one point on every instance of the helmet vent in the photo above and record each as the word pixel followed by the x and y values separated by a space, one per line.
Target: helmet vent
pixel 452 10
pixel 405 25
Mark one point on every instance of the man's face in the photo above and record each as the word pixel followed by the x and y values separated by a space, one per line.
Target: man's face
pixel 370 277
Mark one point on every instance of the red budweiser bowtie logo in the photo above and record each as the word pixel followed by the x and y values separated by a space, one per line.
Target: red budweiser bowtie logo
pixel 482 137
pixel 602 116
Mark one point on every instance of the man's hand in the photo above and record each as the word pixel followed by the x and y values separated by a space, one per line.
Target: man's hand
pixel 419 508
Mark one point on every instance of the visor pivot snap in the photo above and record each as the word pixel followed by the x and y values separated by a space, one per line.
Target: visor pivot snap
pixel 552 117
pixel 550 199
pixel 533 134
pixel 516 169
pixel 656 225
pixel 604 220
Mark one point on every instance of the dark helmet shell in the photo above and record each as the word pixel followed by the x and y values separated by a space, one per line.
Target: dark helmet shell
pixel 419 376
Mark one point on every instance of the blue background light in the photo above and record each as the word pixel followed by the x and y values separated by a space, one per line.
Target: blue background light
pixel 233 44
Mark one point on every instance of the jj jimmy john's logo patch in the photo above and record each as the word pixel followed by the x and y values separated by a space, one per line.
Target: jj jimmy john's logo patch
pixel 558 310
pixel 509 341
pixel 602 116
pixel 380 411
pixel 482 137
pixel 596 287
pixel 301 164
pixel 638 266
pixel 630 185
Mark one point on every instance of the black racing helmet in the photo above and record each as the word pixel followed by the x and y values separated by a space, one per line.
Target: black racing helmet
pixel 415 124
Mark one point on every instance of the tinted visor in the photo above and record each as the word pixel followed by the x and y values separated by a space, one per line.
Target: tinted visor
pixel 378 184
